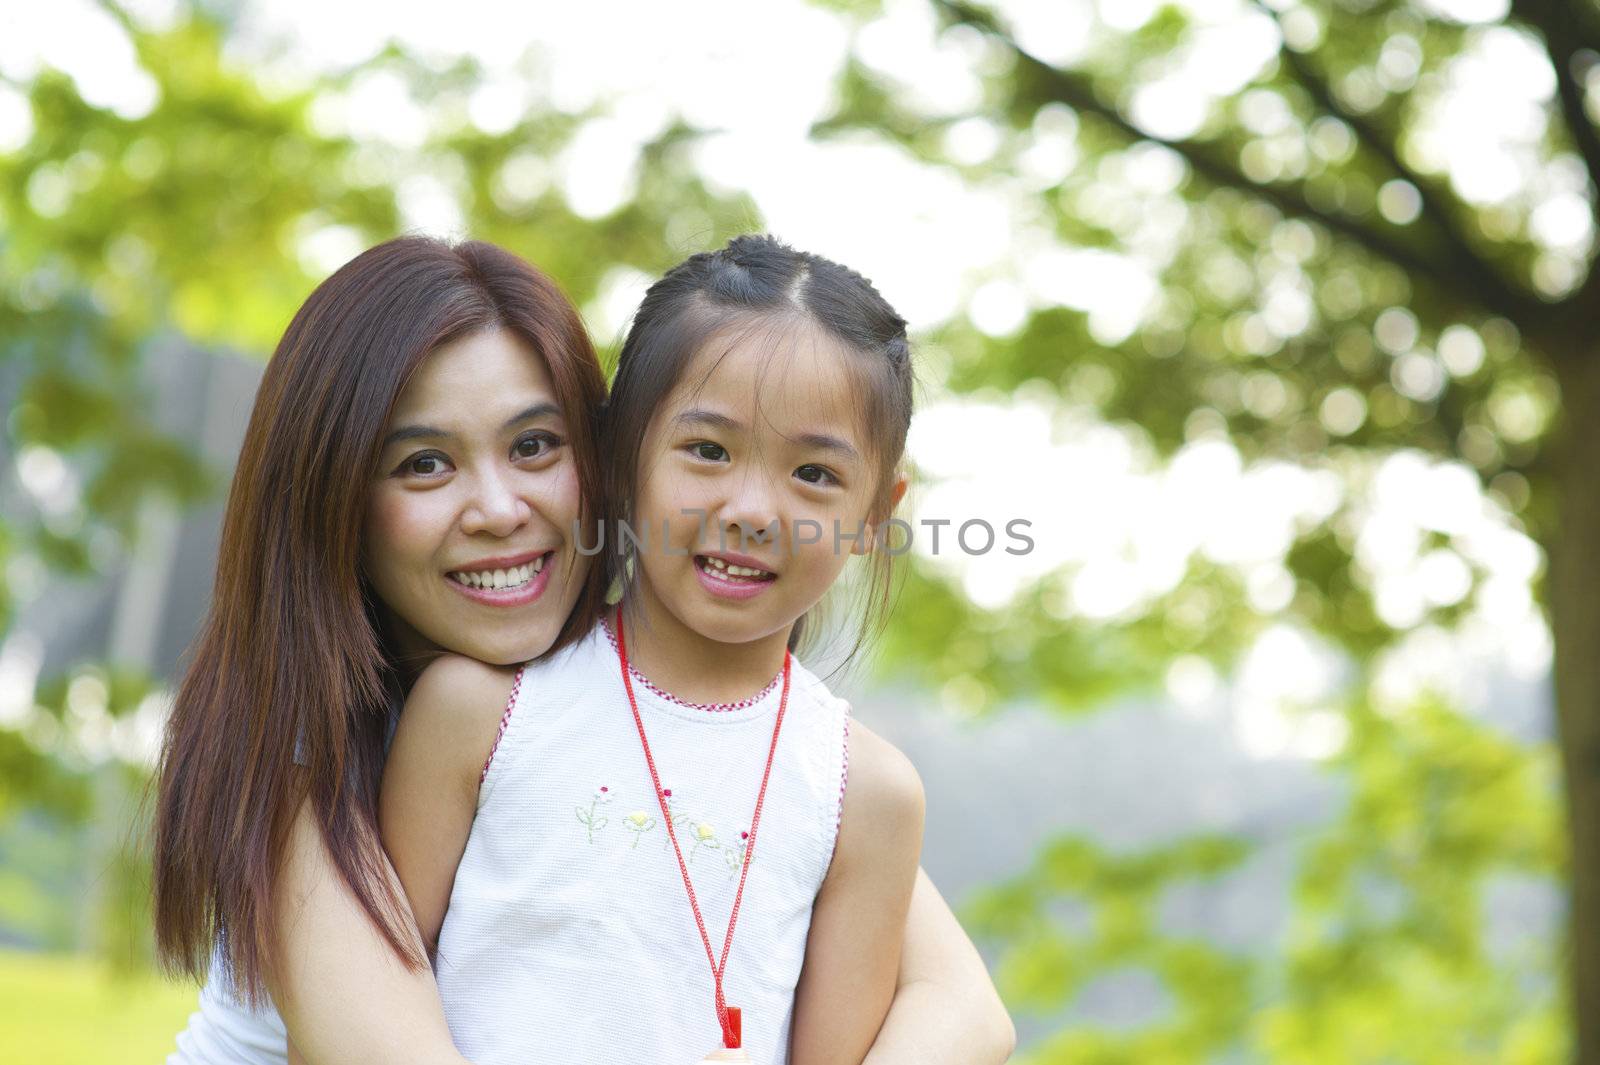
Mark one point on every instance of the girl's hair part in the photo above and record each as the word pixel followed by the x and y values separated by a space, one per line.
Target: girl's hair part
pixel 757 282
pixel 286 699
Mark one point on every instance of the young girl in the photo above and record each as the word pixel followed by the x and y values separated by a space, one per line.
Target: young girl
pixel 594 833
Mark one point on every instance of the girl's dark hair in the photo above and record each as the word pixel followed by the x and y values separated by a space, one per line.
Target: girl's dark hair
pixel 291 665
pixel 756 282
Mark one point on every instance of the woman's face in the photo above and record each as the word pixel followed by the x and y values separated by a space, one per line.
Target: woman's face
pixel 469 537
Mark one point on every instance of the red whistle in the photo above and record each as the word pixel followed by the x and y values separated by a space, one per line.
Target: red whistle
pixel 734 1035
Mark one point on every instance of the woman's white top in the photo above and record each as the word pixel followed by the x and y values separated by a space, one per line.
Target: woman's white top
pixel 224 1031
pixel 569 936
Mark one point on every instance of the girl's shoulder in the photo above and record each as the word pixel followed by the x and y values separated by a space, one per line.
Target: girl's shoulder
pixel 452 716
pixel 458 685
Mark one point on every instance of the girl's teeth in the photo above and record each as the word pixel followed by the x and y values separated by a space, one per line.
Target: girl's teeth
pixel 719 567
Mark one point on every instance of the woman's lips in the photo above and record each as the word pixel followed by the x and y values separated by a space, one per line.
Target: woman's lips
pixel 519 595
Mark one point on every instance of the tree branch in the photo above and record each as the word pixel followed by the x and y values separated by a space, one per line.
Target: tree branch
pixel 1076 91
pixel 1586 24
pixel 1562 32
pixel 1560 28
pixel 1490 287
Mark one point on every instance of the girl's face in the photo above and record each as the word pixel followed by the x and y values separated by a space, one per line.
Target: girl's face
pixel 471 517
pixel 760 474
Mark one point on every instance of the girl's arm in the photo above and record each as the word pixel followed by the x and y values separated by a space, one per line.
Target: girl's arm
pixel 430 779
pixel 858 923
pixel 946 1010
pixel 344 995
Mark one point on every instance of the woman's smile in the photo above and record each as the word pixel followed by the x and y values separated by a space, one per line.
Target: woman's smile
pixel 510 581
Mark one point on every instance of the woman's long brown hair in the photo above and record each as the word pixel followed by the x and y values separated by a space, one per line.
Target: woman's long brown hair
pixel 287 695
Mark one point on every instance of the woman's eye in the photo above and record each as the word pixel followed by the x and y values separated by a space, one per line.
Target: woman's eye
pixel 813 474
pixel 534 445
pixel 426 464
pixel 709 451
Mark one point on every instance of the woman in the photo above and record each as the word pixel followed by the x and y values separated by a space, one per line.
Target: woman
pixel 333 590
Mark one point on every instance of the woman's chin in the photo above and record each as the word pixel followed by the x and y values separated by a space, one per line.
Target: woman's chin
pixel 512 649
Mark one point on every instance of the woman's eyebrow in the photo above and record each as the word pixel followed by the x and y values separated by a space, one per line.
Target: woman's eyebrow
pixel 427 432
pixel 416 432
pixel 542 409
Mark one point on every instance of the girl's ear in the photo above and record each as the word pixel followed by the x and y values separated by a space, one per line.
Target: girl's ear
pixel 897 492
pixel 869 538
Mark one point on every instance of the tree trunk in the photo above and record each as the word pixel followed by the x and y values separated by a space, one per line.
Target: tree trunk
pixel 1573 594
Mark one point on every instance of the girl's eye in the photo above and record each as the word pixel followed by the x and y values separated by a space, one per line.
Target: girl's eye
pixel 425 464
pixel 709 451
pixel 534 445
pixel 814 474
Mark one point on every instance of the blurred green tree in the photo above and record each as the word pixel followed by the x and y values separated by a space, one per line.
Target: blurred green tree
pixel 1337 289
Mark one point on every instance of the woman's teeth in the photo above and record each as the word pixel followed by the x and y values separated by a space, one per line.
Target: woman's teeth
pixel 723 570
pixel 500 578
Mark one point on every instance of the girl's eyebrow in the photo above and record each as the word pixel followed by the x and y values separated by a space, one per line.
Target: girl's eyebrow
pixel 815 441
pixel 824 442
pixel 710 418
pixel 427 432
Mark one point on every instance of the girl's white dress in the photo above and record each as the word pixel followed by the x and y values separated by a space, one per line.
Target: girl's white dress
pixel 569 936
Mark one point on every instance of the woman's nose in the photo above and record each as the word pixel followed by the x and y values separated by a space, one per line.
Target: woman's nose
pixel 495 508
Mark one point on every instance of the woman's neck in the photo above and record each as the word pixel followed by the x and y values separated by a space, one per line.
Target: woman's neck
pixel 691 666
pixel 411 651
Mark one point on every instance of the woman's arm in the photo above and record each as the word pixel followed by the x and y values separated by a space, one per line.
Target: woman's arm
pixel 345 997
pixel 946 1010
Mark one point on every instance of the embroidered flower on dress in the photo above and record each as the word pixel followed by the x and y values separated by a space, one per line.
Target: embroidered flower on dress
pixel 587 818
pixel 704 836
pixel 639 822
pixel 737 856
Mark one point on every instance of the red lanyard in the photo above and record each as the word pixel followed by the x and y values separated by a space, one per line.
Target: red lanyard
pixel 727 1017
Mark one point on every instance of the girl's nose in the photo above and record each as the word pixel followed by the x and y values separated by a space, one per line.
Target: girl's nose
pixel 750 516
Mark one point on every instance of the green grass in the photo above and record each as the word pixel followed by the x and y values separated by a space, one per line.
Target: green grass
pixel 62 1010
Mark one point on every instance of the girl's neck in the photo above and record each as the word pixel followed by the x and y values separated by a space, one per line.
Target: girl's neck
pixel 693 667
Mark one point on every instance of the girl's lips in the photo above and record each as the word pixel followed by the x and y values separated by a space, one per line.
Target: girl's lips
pixel 725 588
pixel 518 596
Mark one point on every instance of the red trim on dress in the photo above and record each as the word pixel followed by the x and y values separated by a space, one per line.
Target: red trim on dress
pixel 844 773
pixel 713 708
pixel 505 719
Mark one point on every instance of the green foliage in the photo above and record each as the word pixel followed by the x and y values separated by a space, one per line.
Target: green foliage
pixel 1387 956
pixel 1319 281
pixel 1046 963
